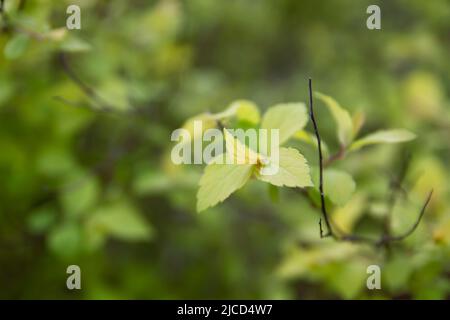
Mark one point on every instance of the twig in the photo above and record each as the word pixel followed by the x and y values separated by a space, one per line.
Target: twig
pixel 319 146
pixel 98 103
pixel 9 25
pixel 386 237
pixel 413 227
pixel 88 91
pixel 337 156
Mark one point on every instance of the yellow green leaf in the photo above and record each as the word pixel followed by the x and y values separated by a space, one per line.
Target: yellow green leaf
pixel 79 200
pixel 358 120
pixel 247 111
pixel 300 261
pixel 287 117
pixel 338 185
pixel 207 121
pixel 119 220
pixel 346 217
pixel 244 110
pixel 219 181
pixel 293 170
pixel 383 136
pixel 238 151
pixel 341 117
pixel 15 47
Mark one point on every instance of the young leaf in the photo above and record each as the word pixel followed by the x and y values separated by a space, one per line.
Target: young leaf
pixel 383 136
pixel 219 181
pixel 305 136
pixel 119 220
pixel 347 216
pixel 80 200
pixel 338 185
pixel 287 117
pixel 15 47
pixel 243 109
pixel 237 151
pixel 341 117
pixel 247 111
pixel 40 220
pixel 207 122
pixel 358 120
pixel 293 170
pixel 65 240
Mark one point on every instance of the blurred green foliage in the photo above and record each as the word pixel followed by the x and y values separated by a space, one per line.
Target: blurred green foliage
pixel 94 186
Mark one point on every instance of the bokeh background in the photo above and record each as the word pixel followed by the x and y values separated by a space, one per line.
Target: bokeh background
pixel 85 177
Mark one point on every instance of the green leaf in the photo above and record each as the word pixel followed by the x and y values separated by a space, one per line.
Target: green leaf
pixel 65 240
pixel 81 196
pixel 293 170
pixel 347 216
pixel 151 182
pixel 244 110
pixel 287 117
pixel 358 120
pixel 41 220
pixel 347 278
pixel 342 118
pixel 115 93
pixel 383 136
pixel 339 186
pixel 16 46
pixel 238 151
pixel 219 181
pixel 119 220
pixel 302 261
pixel 207 121
pixel 397 272
pixel 247 111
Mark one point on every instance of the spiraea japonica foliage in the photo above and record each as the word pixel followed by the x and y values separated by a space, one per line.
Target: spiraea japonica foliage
pixel 220 180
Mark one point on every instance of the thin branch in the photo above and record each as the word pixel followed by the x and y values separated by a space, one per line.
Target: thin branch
pixel 32 34
pixel 337 156
pixel 319 146
pixel 340 235
pixel 9 25
pixel 413 227
pixel 80 105
pixel 88 91
pixel 98 103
